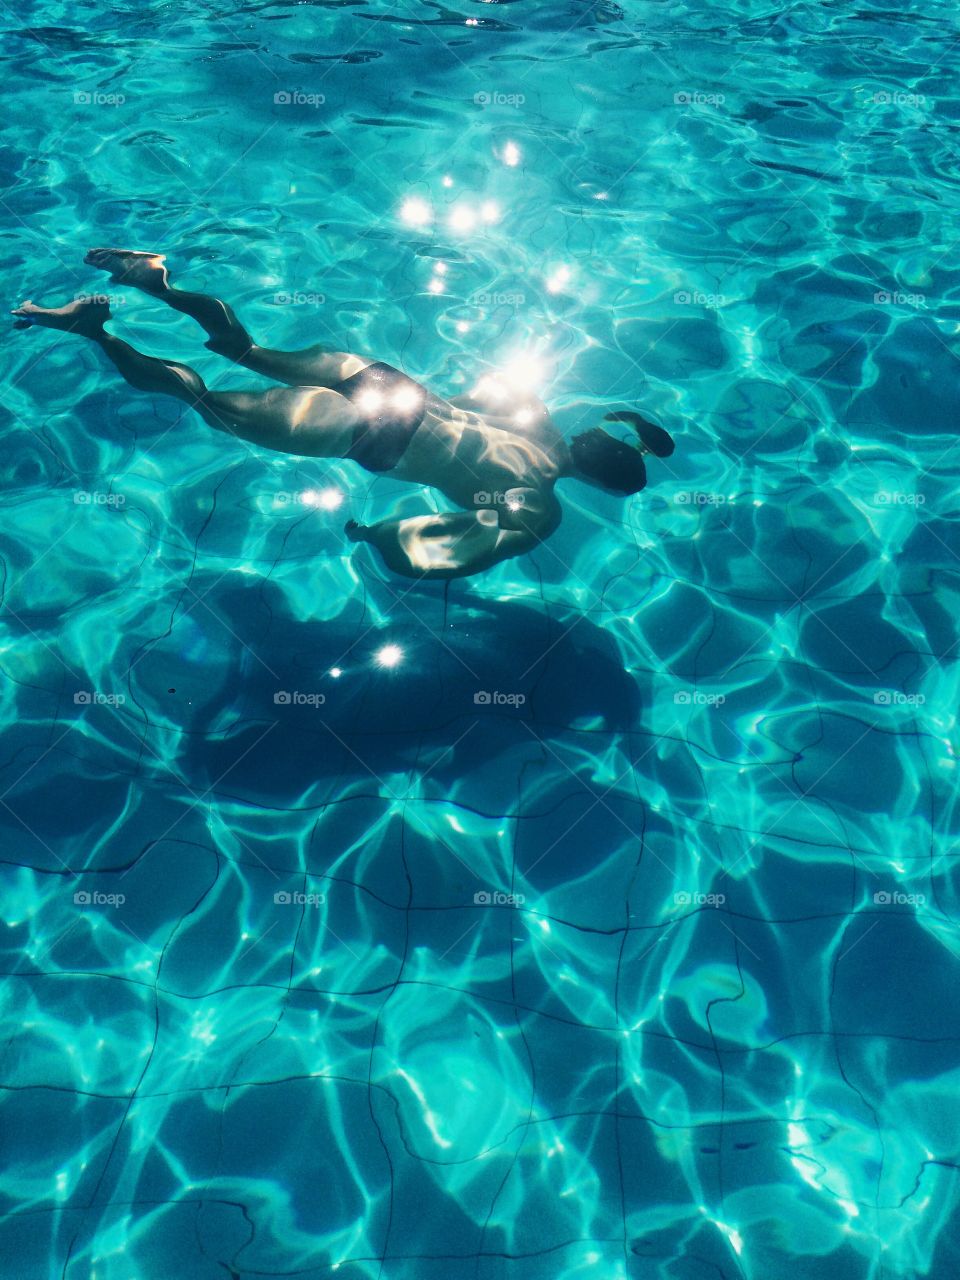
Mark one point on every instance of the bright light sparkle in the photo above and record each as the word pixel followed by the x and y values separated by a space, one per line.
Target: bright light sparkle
pixel 336 672
pixel 406 398
pixel 511 154
pixel 416 212
pixel 490 211
pixel 559 278
pixel 489 388
pixel 462 218
pixel 370 401
pixel 524 372
pixel 391 655
pixel 328 499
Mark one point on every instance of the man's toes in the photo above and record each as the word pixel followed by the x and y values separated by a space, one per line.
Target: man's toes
pixel 112 260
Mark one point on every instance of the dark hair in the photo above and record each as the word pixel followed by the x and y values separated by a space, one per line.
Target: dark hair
pixel 600 457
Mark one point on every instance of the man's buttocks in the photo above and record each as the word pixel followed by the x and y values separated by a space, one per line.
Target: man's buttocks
pixel 389 409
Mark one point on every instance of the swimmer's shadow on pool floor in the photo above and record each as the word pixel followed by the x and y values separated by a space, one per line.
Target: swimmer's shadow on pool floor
pixel 272 704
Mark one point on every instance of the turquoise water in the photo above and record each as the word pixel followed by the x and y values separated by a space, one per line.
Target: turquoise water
pixel 592 917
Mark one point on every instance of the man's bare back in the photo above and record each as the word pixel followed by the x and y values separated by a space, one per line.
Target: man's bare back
pixel 496 454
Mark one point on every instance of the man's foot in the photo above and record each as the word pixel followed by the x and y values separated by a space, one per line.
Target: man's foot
pixel 129 267
pixel 653 439
pixel 355 532
pixel 84 315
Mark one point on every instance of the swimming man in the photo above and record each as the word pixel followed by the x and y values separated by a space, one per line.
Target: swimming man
pixel 495 453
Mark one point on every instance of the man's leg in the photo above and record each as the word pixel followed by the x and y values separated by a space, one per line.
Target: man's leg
pixel 287 419
pixel 313 367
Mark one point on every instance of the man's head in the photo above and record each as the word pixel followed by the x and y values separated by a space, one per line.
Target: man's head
pixel 612 464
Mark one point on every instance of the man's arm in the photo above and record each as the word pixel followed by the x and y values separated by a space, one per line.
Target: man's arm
pixel 456 543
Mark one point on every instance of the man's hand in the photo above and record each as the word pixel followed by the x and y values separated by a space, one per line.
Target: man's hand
pixel 452 544
pixel 446 545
